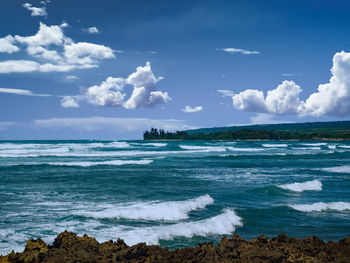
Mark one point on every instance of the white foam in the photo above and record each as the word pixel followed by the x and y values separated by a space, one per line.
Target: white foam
pixel 320 206
pixel 344 146
pixel 169 211
pixel 236 149
pixel 315 144
pixel 338 169
pixel 155 144
pixel 204 148
pixel 332 146
pixel 314 185
pixel 114 162
pixel 275 145
pixel 306 148
pixel 223 224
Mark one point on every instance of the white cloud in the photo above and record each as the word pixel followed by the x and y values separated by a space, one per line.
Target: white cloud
pixel 92 30
pixel 72 78
pixel 16 91
pixel 120 125
pixel 145 93
pixel 111 91
pixel 54 52
pixel 108 93
pixel 250 100
pixel 10 66
pixel 7 45
pixel 69 102
pixel 238 50
pixel 22 92
pixel 190 109
pixel 86 53
pixel 225 92
pixel 287 74
pixel 36 11
pixel 331 99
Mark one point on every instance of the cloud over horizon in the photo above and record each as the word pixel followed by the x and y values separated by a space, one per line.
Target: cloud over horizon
pixel 331 99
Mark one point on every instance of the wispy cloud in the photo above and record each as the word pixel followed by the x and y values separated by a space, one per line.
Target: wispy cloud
pixel 120 125
pixel 238 50
pixel 226 93
pixel 22 92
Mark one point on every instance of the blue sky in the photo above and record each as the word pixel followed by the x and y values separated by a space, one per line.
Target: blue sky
pixel 110 69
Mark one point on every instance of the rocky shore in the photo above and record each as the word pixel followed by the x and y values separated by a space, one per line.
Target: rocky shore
pixel 68 247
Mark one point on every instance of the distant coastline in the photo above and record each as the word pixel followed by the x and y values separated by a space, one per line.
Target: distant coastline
pixel 313 131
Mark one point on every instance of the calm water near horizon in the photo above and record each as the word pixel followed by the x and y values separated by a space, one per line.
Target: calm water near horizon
pixel 172 193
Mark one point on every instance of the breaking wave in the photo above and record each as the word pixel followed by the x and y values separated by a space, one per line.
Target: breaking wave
pixel 114 162
pixel 314 185
pixel 168 211
pixel 320 206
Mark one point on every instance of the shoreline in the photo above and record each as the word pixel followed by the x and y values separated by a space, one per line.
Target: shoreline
pixel 68 247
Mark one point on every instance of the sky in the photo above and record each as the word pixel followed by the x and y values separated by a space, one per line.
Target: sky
pixel 110 69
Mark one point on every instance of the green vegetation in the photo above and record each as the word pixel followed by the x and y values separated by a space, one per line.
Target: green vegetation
pixel 287 131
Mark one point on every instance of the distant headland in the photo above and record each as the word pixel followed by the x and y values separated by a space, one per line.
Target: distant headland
pixel 335 130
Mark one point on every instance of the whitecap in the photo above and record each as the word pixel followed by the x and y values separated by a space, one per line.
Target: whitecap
pixel 155 144
pixel 204 148
pixel 222 224
pixel 337 169
pixel 314 185
pixel 315 144
pixel 275 145
pixel 320 206
pixel 113 162
pixel 168 211
pixel 236 149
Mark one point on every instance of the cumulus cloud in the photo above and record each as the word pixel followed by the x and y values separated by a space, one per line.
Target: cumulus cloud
pixel 92 30
pixel 331 99
pixel 69 102
pixel 35 11
pixel 190 109
pixel 7 45
pixel 54 52
pixel 111 91
pixel 111 124
pixel 238 50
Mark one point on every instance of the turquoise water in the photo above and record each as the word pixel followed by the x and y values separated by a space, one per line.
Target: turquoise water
pixel 172 193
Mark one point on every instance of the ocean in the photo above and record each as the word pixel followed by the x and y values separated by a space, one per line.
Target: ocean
pixel 172 193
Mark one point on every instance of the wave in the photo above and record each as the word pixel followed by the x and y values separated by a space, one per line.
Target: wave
pixel 236 149
pixel 275 145
pixel 315 144
pixel 114 162
pixel 314 185
pixel 306 148
pixel 337 169
pixel 344 146
pixel 223 224
pixel 168 211
pixel 320 206
pixel 155 144
pixel 205 148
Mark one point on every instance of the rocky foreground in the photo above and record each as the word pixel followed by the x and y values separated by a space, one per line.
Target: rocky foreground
pixel 68 247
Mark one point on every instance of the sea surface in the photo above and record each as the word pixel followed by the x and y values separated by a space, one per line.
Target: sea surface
pixel 174 194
